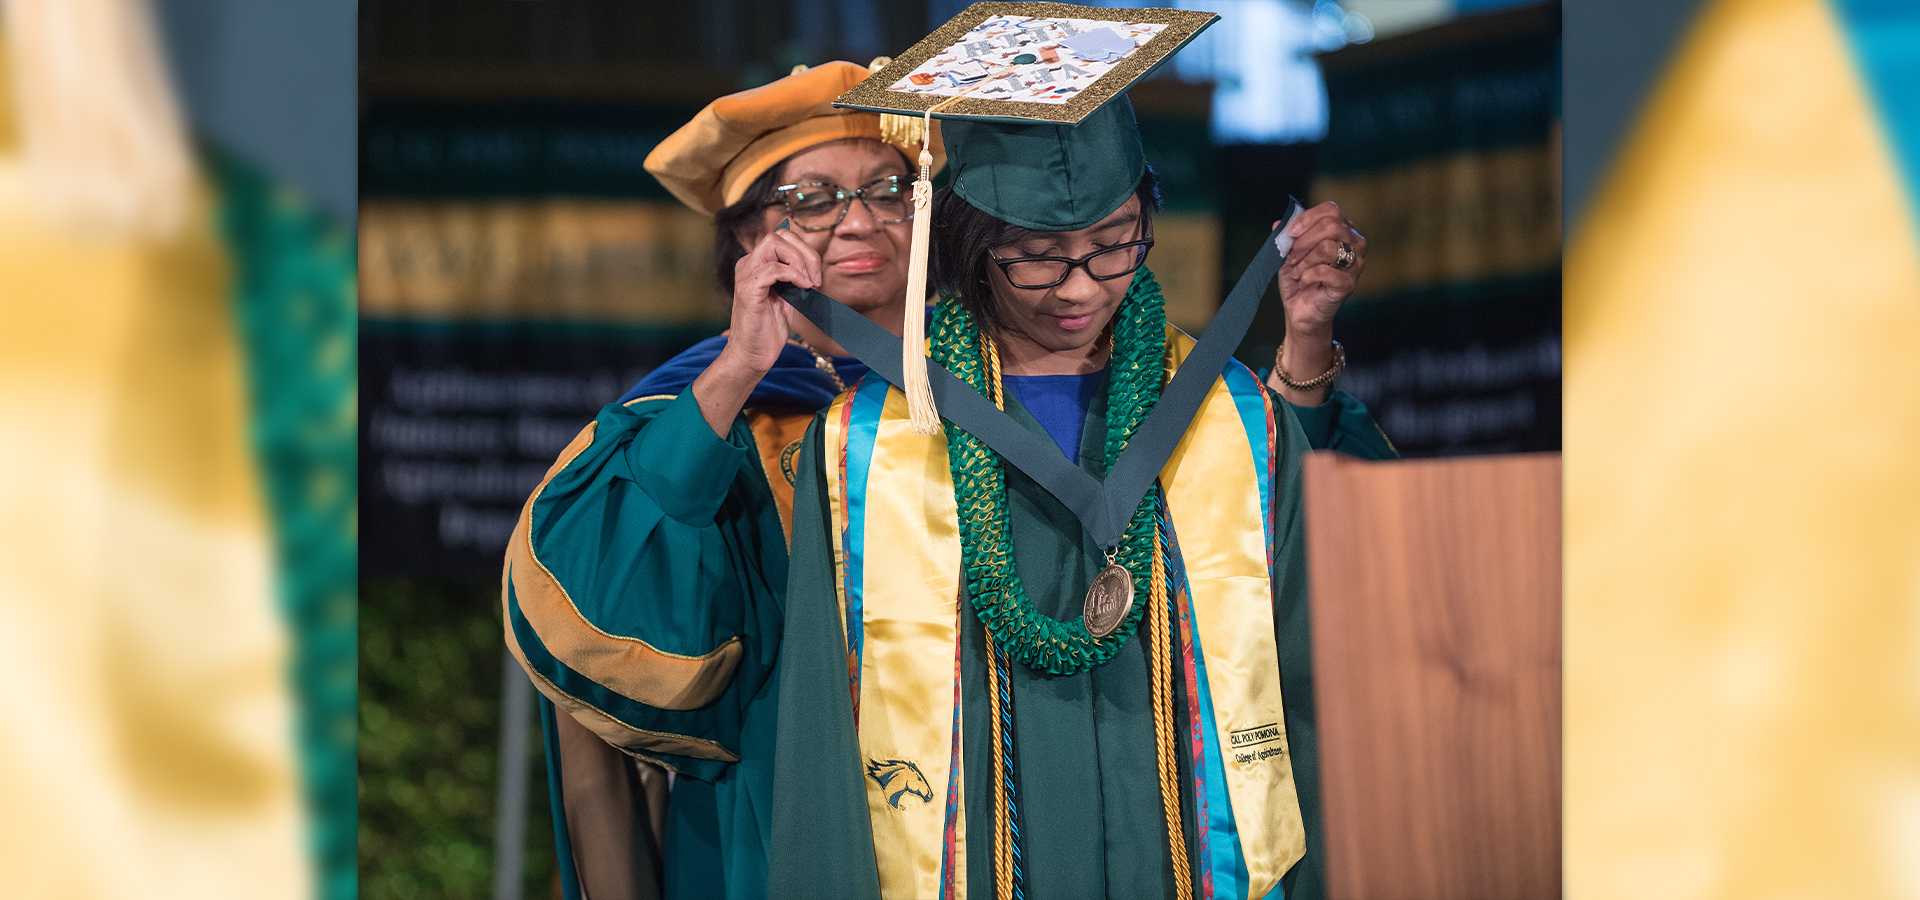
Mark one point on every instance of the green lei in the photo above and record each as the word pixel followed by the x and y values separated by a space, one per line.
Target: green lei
pixel 980 487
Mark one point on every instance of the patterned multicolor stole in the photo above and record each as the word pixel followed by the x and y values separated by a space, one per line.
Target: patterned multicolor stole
pixel 897 577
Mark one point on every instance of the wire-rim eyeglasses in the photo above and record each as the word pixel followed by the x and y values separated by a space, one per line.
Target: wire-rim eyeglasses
pixel 810 204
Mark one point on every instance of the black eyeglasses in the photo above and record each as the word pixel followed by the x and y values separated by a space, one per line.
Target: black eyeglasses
pixel 819 206
pixel 1035 272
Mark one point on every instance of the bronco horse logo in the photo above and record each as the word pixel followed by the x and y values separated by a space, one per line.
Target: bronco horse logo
pixel 899 778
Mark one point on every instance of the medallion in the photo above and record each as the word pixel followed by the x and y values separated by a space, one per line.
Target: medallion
pixel 787 457
pixel 1109 599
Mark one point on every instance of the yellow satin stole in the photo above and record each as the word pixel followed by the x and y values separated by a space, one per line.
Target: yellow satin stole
pixel 897 559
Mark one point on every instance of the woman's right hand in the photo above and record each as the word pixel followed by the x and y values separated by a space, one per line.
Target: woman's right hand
pixel 761 321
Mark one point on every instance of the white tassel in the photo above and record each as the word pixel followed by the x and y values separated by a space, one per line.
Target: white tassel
pixel 921 412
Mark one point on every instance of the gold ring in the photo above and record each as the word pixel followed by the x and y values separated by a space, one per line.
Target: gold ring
pixel 1344 259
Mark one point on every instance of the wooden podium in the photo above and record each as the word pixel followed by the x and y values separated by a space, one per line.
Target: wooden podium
pixel 1436 642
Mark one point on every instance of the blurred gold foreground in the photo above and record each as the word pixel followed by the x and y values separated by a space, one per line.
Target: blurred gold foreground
pixel 145 724
pixel 1743 486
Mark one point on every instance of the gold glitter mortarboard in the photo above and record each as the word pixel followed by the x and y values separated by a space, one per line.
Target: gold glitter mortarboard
pixel 1027 62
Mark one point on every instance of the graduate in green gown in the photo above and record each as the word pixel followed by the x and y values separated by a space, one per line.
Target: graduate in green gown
pixel 961 710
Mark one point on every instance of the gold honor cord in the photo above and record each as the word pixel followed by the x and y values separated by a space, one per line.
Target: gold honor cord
pixel 1002 821
pixel 1160 659
pixel 1002 834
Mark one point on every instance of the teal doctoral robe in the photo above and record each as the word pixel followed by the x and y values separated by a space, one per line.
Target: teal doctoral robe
pixel 1088 796
pixel 659 531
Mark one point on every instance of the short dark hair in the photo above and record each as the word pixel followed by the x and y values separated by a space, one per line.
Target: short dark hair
pixel 729 223
pixel 962 235
pixel 743 217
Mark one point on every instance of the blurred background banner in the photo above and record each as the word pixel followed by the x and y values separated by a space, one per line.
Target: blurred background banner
pixel 1743 525
pixel 519 270
pixel 1445 146
pixel 176 413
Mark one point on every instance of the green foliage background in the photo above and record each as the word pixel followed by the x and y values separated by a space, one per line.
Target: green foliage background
pixel 430 676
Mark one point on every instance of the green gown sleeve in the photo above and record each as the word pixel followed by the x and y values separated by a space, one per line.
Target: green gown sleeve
pixel 1293 639
pixel 642 594
pixel 643 583
pixel 822 840
pixel 1342 424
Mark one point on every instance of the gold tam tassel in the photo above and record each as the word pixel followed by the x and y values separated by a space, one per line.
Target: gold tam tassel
pixel 901 131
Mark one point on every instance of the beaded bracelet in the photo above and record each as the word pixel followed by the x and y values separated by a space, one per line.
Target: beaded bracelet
pixel 1332 372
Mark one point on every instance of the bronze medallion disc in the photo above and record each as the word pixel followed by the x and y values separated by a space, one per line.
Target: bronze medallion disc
pixel 1109 599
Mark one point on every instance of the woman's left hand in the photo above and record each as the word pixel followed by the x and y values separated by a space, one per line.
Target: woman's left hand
pixel 1312 287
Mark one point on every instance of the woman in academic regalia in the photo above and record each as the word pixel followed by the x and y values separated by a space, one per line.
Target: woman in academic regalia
pixel 967 699
pixel 643 584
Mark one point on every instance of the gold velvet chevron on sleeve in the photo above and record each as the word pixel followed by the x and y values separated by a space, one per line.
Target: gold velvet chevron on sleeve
pixel 639 741
pixel 626 665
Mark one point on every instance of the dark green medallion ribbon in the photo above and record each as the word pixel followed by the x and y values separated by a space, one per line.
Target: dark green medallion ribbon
pixel 1145 424
pixel 1104 507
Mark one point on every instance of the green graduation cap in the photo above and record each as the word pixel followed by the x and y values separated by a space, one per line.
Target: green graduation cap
pixel 1035 121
